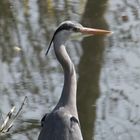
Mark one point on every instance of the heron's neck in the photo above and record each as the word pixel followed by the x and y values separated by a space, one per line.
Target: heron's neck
pixel 68 97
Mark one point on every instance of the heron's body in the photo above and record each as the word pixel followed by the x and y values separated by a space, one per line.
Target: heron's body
pixel 63 122
pixel 61 125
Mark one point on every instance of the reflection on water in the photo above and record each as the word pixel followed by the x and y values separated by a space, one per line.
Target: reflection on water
pixel 90 67
pixel 118 108
pixel 107 68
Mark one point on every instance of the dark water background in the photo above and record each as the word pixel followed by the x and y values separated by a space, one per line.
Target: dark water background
pixel 108 68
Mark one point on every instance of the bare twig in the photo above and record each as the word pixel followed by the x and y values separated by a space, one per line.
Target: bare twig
pixel 10 118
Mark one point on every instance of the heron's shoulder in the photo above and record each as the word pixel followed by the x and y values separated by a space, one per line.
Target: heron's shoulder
pixel 61 124
pixel 60 115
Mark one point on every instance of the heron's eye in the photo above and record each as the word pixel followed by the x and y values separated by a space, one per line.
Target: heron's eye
pixel 75 29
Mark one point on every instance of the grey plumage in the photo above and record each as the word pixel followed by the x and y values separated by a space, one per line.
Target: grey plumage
pixel 63 122
pixel 61 125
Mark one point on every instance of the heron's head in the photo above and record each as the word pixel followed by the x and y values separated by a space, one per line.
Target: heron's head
pixel 67 27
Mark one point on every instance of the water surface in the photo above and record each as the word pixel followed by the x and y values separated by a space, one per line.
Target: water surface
pixel 108 68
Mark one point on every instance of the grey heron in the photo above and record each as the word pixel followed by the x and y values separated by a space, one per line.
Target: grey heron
pixel 63 122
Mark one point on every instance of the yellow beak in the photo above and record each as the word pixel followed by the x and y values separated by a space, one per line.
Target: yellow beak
pixel 93 31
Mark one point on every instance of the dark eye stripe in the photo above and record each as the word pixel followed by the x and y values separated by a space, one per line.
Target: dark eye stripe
pixel 63 27
pixel 68 26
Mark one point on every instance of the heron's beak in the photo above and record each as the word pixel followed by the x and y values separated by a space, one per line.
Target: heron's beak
pixel 92 31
